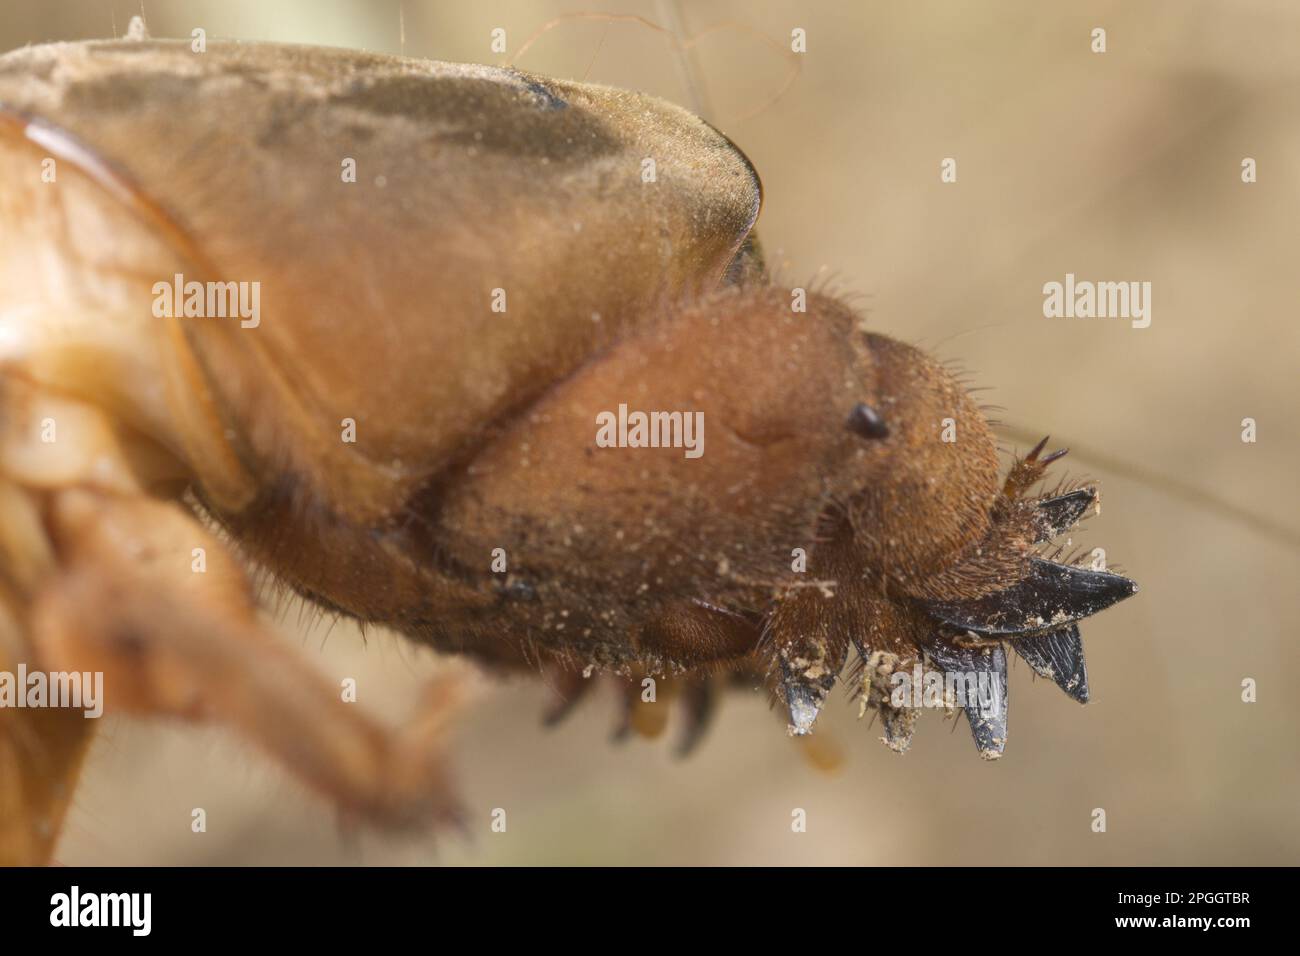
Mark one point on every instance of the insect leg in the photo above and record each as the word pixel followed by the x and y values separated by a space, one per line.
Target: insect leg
pixel 808 638
pixel 694 634
pixel 570 686
pixel 128 601
pixel 699 704
pixel 41 751
pixel 643 712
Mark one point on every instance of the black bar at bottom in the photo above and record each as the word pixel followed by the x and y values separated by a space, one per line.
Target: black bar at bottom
pixel 953 907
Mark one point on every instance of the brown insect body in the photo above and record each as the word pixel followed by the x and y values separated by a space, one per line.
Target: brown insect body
pixel 474 427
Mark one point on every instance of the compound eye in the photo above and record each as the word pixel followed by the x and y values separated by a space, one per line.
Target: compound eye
pixel 866 421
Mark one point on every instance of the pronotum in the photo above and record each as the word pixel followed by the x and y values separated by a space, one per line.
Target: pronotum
pixel 528 397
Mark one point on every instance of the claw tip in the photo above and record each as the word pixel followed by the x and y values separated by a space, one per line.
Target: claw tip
pixel 803 710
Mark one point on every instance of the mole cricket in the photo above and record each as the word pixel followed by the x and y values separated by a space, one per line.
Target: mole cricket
pixel 407 433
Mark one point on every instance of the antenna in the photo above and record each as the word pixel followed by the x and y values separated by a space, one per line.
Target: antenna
pixel 684 60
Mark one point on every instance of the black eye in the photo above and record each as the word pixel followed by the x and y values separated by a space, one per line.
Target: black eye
pixel 866 421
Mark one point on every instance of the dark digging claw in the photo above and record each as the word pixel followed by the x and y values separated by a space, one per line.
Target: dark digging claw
pixel 1054 456
pixel 897 723
pixel 804 696
pixel 987 714
pixel 1057 515
pixel 805 704
pixel 1048 596
pixel 1037 450
pixel 1057 655
pixel 898 726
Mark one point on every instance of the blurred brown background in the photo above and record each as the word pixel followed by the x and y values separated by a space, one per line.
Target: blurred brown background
pixel 1120 166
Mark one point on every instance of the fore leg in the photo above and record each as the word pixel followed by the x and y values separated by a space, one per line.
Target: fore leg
pixel 41 749
pixel 41 752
